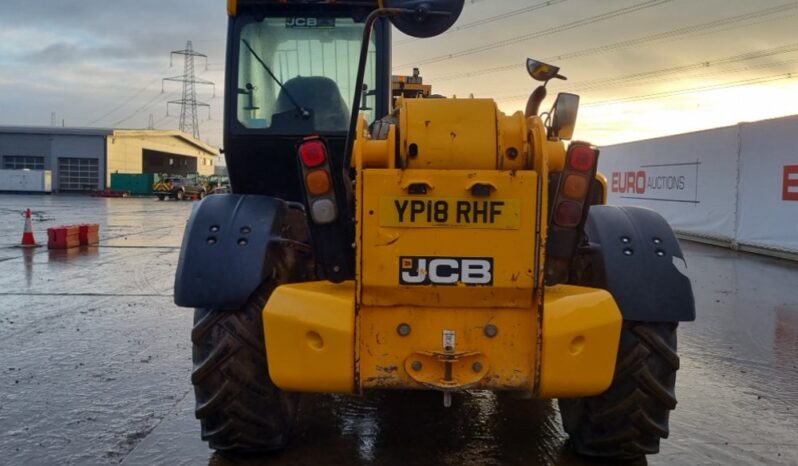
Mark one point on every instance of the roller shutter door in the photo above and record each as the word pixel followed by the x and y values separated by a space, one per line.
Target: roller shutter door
pixel 78 174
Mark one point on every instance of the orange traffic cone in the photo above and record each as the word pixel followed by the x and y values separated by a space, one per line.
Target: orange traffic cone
pixel 28 241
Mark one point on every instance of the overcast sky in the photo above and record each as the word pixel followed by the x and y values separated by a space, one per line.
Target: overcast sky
pixel 644 68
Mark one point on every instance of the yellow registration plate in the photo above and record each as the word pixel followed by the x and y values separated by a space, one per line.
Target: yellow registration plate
pixel 503 214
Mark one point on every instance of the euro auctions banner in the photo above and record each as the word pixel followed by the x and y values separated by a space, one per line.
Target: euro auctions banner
pixel 737 184
pixel 768 211
pixel 690 179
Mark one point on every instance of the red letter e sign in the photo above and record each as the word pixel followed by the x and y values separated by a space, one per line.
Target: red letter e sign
pixel 790 183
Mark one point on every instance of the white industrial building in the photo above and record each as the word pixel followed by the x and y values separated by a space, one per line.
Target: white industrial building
pixel 83 159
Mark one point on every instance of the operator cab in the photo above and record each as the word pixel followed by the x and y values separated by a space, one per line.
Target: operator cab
pixel 292 68
pixel 299 73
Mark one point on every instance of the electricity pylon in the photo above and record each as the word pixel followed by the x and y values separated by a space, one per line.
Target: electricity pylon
pixel 189 122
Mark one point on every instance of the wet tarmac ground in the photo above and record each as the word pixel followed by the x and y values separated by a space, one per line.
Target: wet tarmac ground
pixel 95 362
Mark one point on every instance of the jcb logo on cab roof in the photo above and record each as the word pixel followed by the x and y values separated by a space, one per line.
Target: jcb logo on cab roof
pixel 309 23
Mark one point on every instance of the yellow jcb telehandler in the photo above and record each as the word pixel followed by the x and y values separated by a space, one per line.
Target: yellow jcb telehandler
pixel 372 243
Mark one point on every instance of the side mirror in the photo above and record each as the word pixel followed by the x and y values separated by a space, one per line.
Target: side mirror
pixel 563 116
pixel 425 18
pixel 541 71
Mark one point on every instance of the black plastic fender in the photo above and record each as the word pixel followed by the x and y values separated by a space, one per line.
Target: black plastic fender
pixel 637 258
pixel 225 252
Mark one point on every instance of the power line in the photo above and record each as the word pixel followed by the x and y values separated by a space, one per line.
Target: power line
pixel 122 104
pixel 164 118
pixel 552 30
pixel 613 82
pixel 738 69
pixel 693 90
pixel 137 111
pixel 624 81
pixel 703 28
pixel 158 98
pixel 490 19
pixel 681 31
pixel 701 75
pixel 126 101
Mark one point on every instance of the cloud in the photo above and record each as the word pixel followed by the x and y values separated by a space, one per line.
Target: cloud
pixel 114 29
pixel 84 59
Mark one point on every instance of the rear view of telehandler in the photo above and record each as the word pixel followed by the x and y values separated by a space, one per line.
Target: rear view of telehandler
pixel 421 243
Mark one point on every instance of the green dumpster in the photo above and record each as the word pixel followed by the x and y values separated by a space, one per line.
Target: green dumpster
pixel 137 184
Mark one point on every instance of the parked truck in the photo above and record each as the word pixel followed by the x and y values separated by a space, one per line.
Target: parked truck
pixel 180 187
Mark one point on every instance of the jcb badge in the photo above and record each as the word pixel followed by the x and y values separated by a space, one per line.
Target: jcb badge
pixel 471 271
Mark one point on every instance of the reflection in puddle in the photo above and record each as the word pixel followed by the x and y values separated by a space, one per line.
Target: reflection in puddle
pixel 27 257
pixel 65 255
pixel 413 427
pixel 785 339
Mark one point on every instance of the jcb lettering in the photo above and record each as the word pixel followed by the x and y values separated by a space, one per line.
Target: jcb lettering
pixel 447 271
pixel 443 271
pixel 308 23
pixel 477 272
pixel 301 22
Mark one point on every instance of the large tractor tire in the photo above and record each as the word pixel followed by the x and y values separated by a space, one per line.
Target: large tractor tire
pixel 239 407
pixel 628 420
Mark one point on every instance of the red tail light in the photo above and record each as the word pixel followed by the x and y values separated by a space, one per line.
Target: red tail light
pixel 313 153
pixel 569 199
pixel 568 214
pixel 319 189
pixel 582 158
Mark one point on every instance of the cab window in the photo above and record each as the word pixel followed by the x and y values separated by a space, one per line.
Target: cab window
pixel 316 61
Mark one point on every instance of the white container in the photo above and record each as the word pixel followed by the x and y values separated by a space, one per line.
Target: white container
pixel 26 181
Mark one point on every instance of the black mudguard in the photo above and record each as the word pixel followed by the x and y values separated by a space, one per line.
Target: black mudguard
pixel 634 255
pixel 225 252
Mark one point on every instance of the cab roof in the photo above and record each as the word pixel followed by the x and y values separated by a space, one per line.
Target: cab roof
pixel 234 6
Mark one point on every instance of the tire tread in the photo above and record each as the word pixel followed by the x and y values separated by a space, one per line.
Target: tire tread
pixel 628 420
pixel 238 406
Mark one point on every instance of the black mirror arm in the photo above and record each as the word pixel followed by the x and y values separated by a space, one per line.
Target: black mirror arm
pixel 361 68
pixel 533 104
pixel 361 71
